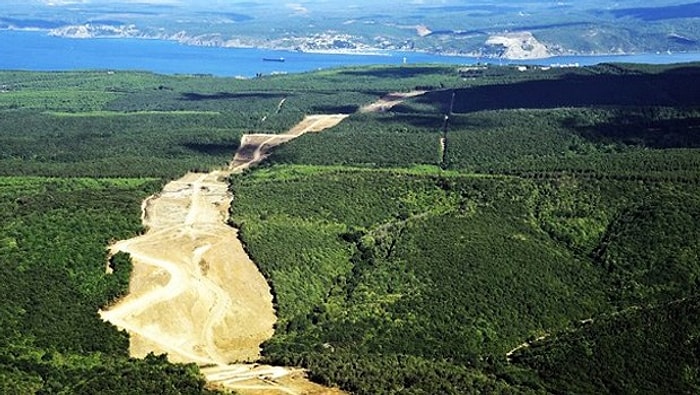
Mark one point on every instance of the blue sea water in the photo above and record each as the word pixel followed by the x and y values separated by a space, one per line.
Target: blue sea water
pixel 35 50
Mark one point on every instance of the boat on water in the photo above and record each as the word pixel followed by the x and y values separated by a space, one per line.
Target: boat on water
pixel 273 59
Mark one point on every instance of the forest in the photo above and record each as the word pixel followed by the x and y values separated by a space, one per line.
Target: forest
pixel 506 232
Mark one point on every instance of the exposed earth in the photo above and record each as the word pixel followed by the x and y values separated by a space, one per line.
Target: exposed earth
pixel 194 293
pixel 519 45
pixel 390 100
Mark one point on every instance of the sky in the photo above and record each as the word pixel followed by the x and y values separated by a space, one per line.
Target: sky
pixel 215 2
pixel 70 2
pixel 309 4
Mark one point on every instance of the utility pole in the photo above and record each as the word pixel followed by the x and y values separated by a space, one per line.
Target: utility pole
pixel 443 139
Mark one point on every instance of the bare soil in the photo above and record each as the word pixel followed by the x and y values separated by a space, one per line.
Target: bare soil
pixel 256 147
pixel 173 306
pixel 265 380
pixel 194 292
pixel 387 102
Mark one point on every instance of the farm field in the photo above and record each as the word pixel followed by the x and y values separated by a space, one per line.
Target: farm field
pixel 487 232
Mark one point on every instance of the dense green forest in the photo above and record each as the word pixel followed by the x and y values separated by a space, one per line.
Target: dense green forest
pixel 400 266
pixel 79 151
pixel 555 212
pixel 52 277
pixel 454 269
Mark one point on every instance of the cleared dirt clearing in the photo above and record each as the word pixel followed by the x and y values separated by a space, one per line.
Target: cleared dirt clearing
pixel 255 147
pixel 265 380
pixel 210 316
pixel 194 292
pixel 387 102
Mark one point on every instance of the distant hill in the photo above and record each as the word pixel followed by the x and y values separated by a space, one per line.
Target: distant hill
pixel 520 30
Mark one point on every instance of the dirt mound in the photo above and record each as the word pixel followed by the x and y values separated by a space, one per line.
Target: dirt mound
pixel 263 380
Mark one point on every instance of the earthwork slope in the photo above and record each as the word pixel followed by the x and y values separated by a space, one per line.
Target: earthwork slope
pixel 194 293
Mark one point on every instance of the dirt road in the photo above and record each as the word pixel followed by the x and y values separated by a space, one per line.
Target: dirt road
pixel 387 102
pixel 255 147
pixel 194 292
pixel 526 344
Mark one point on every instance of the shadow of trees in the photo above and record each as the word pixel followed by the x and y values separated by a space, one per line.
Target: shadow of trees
pixel 680 86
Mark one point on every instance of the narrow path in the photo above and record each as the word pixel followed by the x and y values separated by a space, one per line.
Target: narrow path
pixel 526 344
pixel 443 152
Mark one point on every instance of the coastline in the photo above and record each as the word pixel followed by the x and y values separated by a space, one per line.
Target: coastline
pixel 35 50
pixel 192 41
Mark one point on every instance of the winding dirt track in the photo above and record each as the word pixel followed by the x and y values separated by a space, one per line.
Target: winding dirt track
pixel 194 292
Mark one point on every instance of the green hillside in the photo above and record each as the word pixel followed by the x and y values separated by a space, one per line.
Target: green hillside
pixel 551 213
pixel 453 269
pixel 650 349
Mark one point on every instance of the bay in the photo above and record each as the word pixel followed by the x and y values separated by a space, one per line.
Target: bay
pixel 35 50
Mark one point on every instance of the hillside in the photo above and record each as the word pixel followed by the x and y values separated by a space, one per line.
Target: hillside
pixel 410 253
pixel 484 29
pixel 483 236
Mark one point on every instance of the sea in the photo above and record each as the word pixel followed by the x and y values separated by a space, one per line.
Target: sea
pixel 37 51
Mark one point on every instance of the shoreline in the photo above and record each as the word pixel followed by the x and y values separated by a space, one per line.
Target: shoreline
pixel 33 50
pixel 369 51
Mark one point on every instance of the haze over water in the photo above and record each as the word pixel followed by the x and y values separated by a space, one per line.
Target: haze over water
pixel 33 50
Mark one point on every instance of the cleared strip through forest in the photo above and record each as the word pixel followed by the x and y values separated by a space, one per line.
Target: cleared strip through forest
pixel 194 293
